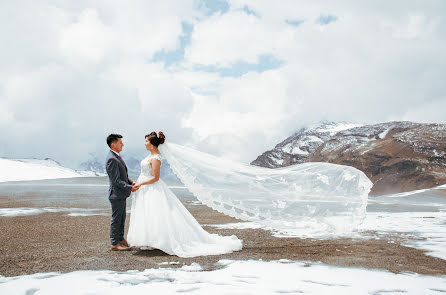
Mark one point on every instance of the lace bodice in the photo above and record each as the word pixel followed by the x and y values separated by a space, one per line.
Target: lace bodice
pixel 146 168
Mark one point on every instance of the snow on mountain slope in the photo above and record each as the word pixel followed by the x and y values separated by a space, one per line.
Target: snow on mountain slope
pixel 396 156
pixel 34 169
pixel 296 148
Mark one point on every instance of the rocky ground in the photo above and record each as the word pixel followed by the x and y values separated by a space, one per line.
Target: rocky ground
pixel 54 242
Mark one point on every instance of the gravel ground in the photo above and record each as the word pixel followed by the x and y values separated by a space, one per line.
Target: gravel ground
pixel 54 242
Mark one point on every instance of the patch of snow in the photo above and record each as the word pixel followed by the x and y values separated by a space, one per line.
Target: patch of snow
pixel 192 267
pixel 194 203
pixel 368 148
pixel 277 161
pixel 336 127
pixel 439 173
pixel 291 148
pixel 13 212
pixel 384 133
pixel 421 230
pixel 312 138
pixel 33 169
pixel 397 195
pixel 236 277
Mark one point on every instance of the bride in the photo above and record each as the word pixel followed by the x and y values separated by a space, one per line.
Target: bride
pixel 159 220
pixel 316 200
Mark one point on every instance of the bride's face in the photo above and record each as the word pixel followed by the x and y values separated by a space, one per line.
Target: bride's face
pixel 147 144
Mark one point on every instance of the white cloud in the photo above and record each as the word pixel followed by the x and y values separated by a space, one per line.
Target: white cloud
pixel 5 114
pixel 247 114
pixel 411 26
pixel 87 38
pixel 430 112
pixel 374 63
pixel 72 73
pixel 226 38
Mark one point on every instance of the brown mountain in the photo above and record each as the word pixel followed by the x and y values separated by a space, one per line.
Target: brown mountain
pixel 296 148
pixel 396 156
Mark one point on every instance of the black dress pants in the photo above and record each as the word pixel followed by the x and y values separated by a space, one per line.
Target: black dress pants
pixel 117 221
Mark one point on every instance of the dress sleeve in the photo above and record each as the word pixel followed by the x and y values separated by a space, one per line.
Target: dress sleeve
pixel 158 157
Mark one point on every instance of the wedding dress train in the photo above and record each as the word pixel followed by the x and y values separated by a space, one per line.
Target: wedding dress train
pixel 308 200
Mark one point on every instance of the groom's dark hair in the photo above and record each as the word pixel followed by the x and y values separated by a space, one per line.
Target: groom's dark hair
pixel 112 138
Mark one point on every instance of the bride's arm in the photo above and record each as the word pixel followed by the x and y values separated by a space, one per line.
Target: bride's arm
pixel 156 165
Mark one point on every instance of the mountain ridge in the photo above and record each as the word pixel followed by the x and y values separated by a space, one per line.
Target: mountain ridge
pixel 397 156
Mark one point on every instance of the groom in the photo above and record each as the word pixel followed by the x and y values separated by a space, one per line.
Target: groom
pixel 120 188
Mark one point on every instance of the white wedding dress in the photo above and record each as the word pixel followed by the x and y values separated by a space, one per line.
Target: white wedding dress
pixel 316 200
pixel 159 220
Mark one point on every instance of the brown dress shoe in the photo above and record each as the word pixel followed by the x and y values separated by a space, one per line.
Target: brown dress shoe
pixel 119 247
pixel 124 243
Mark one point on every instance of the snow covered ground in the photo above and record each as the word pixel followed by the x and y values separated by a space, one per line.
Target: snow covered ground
pixel 421 230
pixel 33 169
pixel 23 211
pixel 235 277
pixel 416 219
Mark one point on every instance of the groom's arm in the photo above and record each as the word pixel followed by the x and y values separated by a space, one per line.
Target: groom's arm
pixel 113 172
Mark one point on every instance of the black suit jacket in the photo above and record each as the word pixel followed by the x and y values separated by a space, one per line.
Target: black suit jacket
pixel 120 183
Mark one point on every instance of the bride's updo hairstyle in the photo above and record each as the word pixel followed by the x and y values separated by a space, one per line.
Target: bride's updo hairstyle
pixel 155 139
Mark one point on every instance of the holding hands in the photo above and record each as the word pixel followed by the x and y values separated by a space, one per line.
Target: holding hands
pixel 135 186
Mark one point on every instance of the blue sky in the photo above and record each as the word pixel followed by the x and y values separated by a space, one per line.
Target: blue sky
pixel 237 68
pixel 215 6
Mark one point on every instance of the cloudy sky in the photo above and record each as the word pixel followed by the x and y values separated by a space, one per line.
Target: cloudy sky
pixel 232 78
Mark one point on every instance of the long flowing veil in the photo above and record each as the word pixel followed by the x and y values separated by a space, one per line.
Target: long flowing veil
pixel 311 199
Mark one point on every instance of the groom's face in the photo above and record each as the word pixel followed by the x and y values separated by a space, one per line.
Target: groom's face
pixel 117 145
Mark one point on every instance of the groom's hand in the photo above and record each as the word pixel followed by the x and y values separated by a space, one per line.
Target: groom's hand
pixel 135 187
